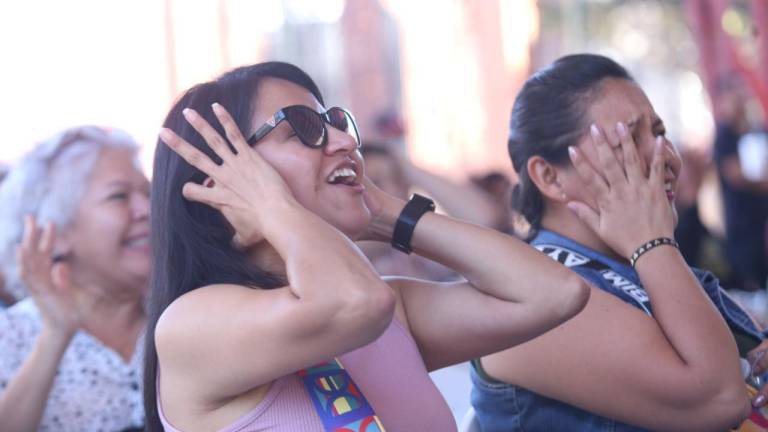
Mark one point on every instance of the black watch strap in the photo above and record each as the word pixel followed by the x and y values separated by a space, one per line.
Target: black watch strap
pixel 406 222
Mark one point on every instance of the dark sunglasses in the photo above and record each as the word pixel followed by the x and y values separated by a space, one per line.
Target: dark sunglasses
pixel 309 125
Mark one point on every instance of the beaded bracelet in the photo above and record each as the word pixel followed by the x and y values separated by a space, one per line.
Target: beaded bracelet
pixel 650 245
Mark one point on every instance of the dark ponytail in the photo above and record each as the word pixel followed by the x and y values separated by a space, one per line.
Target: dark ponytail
pixel 548 116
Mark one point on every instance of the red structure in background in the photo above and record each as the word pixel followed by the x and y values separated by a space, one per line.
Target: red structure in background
pixel 760 12
pixel 719 53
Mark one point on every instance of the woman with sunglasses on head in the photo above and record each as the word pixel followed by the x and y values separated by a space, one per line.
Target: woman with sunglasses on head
pixel 263 313
pixel 653 348
pixel 74 247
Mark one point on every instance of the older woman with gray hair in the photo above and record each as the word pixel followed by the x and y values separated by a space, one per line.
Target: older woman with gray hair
pixel 74 241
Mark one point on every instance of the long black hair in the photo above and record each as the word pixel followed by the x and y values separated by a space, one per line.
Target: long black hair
pixel 192 242
pixel 550 114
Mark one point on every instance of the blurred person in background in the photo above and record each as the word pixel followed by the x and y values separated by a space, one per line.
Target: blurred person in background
pixel 74 231
pixel 497 185
pixel 263 313
pixel 745 198
pixel 6 298
pixel 690 232
pixel 654 348
pixel 393 172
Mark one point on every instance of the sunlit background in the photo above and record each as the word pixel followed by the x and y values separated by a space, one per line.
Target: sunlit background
pixel 446 71
pixel 436 77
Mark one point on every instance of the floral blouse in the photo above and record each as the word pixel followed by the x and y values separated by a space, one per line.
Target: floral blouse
pixel 94 388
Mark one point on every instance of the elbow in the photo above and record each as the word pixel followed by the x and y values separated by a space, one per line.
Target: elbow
pixel 740 412
pixel 575 296
pixel 733 405
pixel 732 398
pixel 369 312
pixel 723 409
pixel 380 305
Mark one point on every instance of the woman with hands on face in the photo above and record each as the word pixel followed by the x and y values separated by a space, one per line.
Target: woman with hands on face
pixel 654 347
pixel 74 240
pixel 263 312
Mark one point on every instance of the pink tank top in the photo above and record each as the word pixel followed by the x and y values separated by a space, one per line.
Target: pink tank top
pixel 391 375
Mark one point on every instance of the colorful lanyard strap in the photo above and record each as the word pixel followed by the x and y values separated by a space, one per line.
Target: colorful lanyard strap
pixel 338 401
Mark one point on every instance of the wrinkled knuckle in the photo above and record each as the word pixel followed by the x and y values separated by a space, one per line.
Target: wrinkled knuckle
pixel 220 142
pixel 194 159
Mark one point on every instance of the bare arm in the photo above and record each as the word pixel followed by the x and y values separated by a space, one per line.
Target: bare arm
pixel 232 339
pixel 677 370
pixel 512 293
pixel 615 361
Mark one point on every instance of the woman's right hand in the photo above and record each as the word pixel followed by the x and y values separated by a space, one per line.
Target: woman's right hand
pixel 63 307
pixel 632 207
pixel 384 209
pixel 242 187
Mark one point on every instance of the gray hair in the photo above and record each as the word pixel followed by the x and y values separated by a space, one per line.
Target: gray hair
pixel 47 184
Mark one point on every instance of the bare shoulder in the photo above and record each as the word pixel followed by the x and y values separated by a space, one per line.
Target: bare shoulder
pixel 203 300
pixel 210 295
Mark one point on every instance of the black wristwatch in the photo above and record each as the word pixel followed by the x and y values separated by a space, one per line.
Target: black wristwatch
pixel 406 222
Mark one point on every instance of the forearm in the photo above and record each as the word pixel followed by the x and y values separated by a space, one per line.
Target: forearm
pixel 686 315
pixel 24 400
pixel 494 263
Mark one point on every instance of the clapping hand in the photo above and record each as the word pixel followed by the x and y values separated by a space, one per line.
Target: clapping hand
pixel 63 306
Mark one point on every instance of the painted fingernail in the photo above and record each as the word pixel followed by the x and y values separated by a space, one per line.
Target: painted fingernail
pixel 572 152
pixel 165 135
pixel 759 401
pixel 621 128
pixel 594 130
